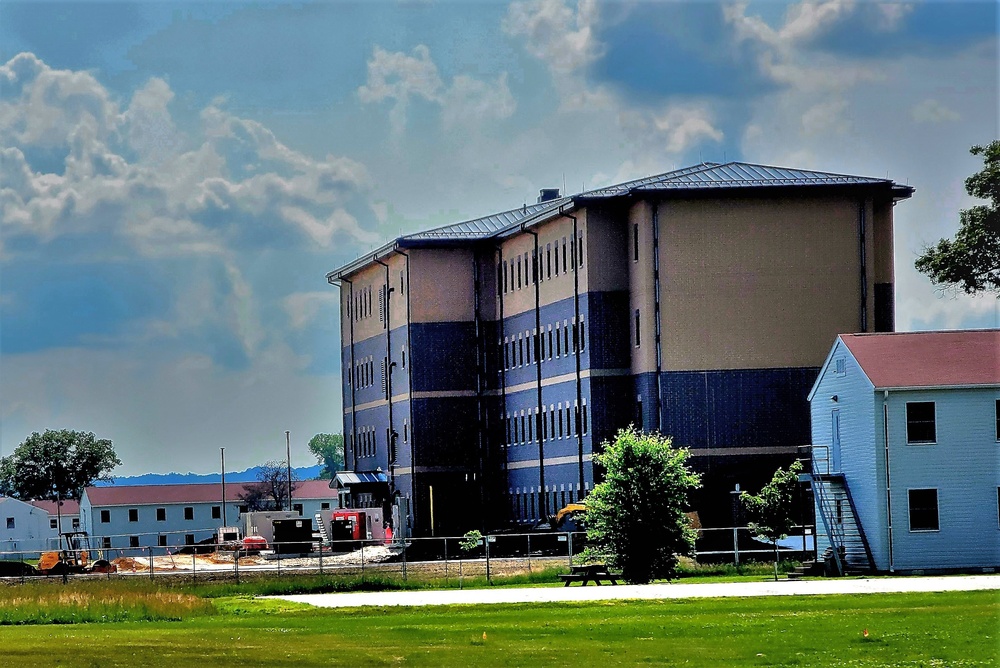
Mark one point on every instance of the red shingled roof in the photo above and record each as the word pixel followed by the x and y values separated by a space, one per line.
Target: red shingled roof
pixel 125 495
pixel 68 507
pixel 928 359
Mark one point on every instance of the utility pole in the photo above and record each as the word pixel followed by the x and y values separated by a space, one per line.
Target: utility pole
pixel 288 465
pixel 224 523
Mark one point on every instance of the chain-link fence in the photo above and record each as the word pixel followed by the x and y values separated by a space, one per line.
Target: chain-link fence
pixel 503 555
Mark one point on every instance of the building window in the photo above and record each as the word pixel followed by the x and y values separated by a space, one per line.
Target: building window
pixel 550 341
pixel 189 513
pixel 920 427
pixel 189 539
pixel 216 512
pixel 402 356
pixel 519 275
pixel 133 514
pixel 10 522
pixel 548 260
pixel 53 524
pixel 584 416
pixel 564 255
pixel 325 505
pixel 558 341
pixel 133 541
pixel 840 366
pixel 76 523
pixel 106 542
pixel 635 242
pixel 243 509
pixel 505 276
pixel 638 338
pixel 297 507
pixel 579 247
pixel 923 510
pixel 161 540
pixel 105 516
pixel 566 336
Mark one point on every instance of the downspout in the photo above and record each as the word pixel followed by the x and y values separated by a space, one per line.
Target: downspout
pixel 888 484
pixel 579 381
pixel 501 292
pixel 480 371
pixel 543 496
pixel 409 383
pixel 388 378
pixel 656 315
pixel 354 412
pixel 862 257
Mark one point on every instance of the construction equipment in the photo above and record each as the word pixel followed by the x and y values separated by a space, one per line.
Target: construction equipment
pixel 72 557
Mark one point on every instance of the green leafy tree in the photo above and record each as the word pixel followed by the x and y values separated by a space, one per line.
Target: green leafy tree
pixel 329 451
pixel 270 492
pixel 57 465
pixel 971 261
pixel 771 513
pixel 636 518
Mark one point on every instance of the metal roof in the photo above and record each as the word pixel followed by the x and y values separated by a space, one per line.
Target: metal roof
pixel 706 176
pixel 487 226
pixel 739 175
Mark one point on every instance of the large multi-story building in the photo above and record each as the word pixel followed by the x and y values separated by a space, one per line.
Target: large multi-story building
pixel 485 362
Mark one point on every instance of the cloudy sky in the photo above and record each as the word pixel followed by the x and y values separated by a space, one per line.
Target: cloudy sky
pixel 176 180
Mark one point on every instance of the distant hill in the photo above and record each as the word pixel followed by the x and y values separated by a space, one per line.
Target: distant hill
pixel 249 475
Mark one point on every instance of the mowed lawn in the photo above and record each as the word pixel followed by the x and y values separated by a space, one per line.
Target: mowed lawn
pixel 939 629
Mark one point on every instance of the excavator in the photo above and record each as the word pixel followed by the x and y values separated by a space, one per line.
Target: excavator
pixel 74 558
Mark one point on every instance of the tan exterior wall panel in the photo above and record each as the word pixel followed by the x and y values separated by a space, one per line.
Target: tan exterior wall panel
pixel 882 262
pixel 441 285
pixel 641 288
pixel 606 261
pixel 367 282
pixel 757 283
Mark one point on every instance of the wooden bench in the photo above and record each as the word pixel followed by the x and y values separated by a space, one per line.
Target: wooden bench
pixel 595 573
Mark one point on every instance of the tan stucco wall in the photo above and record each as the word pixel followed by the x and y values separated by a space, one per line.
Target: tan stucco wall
pixel 755 283
pixel 641 287
pixel 882 263
pixel 441 285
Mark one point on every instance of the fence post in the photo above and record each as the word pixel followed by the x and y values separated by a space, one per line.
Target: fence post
pixel 236 565
pixel 194 566
pixel 404 560
pixel 529 553
pixel 20 557
pixel 736 545
pixel 446 560
pixel 150 548
pixel 569 547
pixel 486 541
pixel 277 553
pixel 321 556
pixel 362 560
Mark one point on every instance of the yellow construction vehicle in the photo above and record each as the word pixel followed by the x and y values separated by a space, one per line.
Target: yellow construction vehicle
pixel 73 558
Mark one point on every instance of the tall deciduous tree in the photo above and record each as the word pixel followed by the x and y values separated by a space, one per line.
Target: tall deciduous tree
pixel 270 492
pixel 771 513
pixel 329 451
pixel 636 517
pixel 57 465
pixel 971 261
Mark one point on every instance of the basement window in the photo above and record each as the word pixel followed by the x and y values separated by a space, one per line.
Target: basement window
pixel 920 422
pixel 923 507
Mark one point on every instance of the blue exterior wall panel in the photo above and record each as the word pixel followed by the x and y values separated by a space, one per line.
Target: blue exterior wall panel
pixel 737 407
pixel 445 356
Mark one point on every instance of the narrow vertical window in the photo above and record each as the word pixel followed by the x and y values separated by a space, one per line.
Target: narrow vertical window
pixel 635 242
pixel 402 356
pixel 583 335
pixel 579 248
pixel 566 336
pixel 402 287
pixel 584 416
pixel 557 257
pixel 548 260
pixel 541 345
pixel 638 338
pixel 550 341
pixel 505 276
pixel 519 275
pixel 531 428
pixel 558 341
pixel 560 421
pixel 520 350
pixel 527 269
pixel 564 254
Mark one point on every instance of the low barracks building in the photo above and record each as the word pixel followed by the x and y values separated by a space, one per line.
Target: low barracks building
pixel 485 362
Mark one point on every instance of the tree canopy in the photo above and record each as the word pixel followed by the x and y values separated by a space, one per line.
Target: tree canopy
pixel 270 492
pixel 636 517
pixel 971 260
pixel 771 512
pixel 329 451
pixel 57 465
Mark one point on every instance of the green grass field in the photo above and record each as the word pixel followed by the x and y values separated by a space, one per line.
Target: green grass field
pixel 941 629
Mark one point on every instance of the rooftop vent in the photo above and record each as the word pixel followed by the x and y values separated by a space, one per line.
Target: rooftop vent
pixel 548 194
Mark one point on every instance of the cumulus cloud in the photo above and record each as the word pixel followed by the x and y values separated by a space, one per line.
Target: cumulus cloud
pixel 930 110
pixel 553 32
pixel 302 308
pixel 399 77
pixel 673 130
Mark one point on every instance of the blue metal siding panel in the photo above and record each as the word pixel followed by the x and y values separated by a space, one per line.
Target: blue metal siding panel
pixel 862 461
pixel 443 356
pixel 738 407
pixel 964 466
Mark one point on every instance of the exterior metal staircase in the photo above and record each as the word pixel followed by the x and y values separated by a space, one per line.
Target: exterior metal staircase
pixel 846 550
pixel 323 534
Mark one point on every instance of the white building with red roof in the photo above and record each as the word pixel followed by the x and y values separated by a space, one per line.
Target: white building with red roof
pixel 906 451
pixel 142 516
